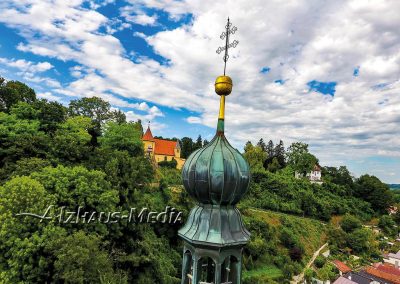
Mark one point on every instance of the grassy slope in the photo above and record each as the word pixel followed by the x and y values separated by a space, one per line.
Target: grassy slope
pixel 310 232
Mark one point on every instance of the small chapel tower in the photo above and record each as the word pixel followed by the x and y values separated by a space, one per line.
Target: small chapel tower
pixel 216 176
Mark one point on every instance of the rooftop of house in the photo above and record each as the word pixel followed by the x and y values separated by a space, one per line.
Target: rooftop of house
pixel 162 146
pixel 362 278
pixel 383 275
pixel 394 255
pixel 386 267
pixel 341 266
pixel 316 168
pixel 343 280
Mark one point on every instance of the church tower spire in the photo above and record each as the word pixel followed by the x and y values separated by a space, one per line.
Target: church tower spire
pixel 216 176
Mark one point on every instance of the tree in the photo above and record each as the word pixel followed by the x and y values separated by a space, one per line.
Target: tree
pixel 350 223
pixel 125 172
pixel 270 149
pixel 123 137
pixel 50 114
pixel 168 164
pixel 98 110
pixel 262 145
pixel 23 110
pixel 198 144
pixel 26 166
pixel 78 186
pixel 274 165
pixel 280 154
pixel 19 138
pixel 372 190
pixel 186 147
pixel 387 224
pixel 339 176
pixel 21 254
pixel 320 261
pixel 12 92
pixel 79 258
pixel 71 143
pixel 255 156
pixel 360 240
pixel 205 142
pixel 119 117
pixel 300 159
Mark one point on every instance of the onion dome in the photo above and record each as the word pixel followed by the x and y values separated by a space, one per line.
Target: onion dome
pixel 217 174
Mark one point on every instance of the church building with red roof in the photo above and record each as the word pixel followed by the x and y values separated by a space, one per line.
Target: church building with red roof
pixel 160 150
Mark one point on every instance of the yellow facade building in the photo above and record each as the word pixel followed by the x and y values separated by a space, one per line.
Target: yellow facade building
pixel 161 149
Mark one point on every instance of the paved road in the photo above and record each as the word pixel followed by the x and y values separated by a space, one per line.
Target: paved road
pixel 298 278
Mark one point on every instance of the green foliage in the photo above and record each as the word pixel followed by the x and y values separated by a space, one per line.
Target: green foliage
pixel 78 186
pixel 300 159
pixel 12 92
pixel 26 166
pixel 309 274
pixel 123 137
pixel 71 143
pixel 19 138
pixel 187 147
pixel 372 190
pixel 168 164
pixel 171 176
pixel 320 261
pixel 281 191
pixel 255 156
pixel 360 240
pixel 388 225
pixel 79 258
pixel 23 110
pixel 350 223
pixel 327 272
pixel 339 176
pixel 21 237
pixel 50 115
pixel 274 165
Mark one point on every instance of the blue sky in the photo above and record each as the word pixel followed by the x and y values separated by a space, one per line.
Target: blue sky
pixel 303 71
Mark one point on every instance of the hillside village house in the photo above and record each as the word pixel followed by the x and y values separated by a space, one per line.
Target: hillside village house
pixel 161 149
pixel 392 258
pixel 314 176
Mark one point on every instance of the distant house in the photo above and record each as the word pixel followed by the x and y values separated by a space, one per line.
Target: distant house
pixel 392 210
pixel 392 258
pixel 314 176
pixel 360 278
pixel 341 266
pixel 386 276
pixel 160 150
pixel 388 268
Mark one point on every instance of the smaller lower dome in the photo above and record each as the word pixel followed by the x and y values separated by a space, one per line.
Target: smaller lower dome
pixel 215 225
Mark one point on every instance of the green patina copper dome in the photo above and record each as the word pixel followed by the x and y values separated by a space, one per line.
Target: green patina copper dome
pixel 217 173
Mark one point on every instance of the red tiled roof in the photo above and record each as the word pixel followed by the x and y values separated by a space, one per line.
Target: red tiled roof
pixel 164 147
pixel 387 268
pixel 341 266
pixel 148 136
pixel 384 275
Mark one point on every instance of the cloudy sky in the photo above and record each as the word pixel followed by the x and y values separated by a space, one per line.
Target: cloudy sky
pixel 322 72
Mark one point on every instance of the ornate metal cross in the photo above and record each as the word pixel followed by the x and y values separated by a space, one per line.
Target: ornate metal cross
pixel 225 35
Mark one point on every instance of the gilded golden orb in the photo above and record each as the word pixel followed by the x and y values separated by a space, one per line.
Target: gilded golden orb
pixel 223 85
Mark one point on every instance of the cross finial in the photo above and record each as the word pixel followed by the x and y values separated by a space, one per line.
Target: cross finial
pixel 226 35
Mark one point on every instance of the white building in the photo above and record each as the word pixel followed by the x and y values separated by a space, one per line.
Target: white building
pixel 392 258
pixel 314 176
